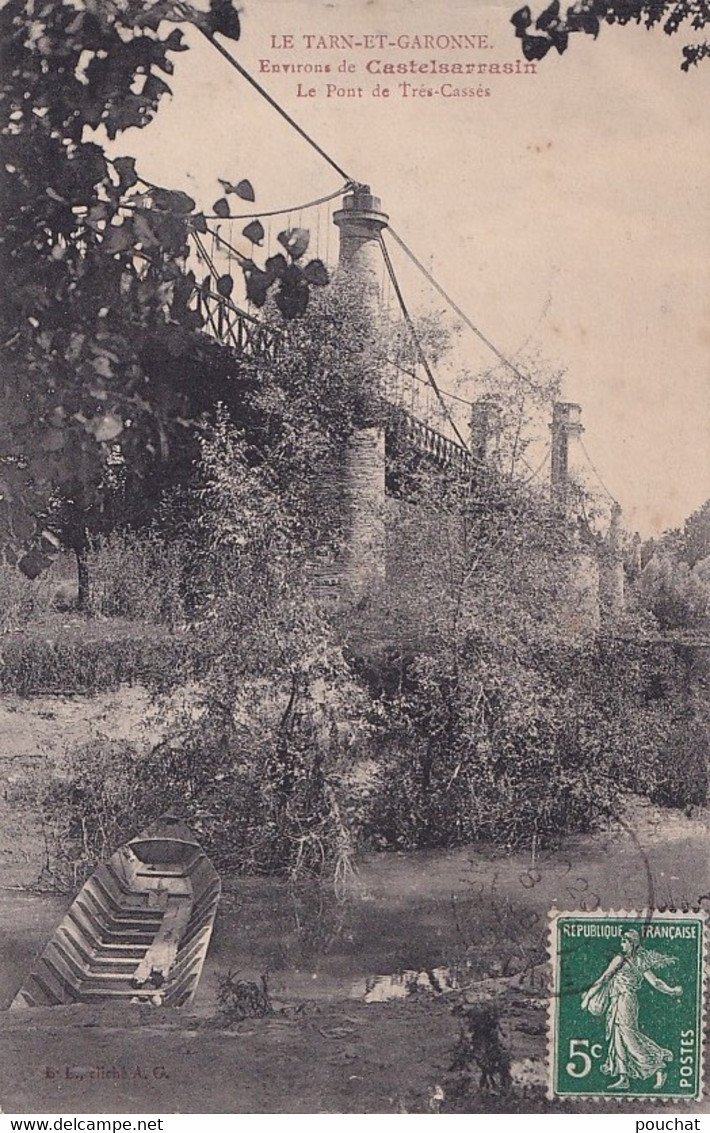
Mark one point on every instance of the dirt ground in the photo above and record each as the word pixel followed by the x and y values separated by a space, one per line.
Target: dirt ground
pixel 336 1058
pixel 309 1057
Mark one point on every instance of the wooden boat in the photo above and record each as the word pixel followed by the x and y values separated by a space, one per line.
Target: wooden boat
pixel 138 930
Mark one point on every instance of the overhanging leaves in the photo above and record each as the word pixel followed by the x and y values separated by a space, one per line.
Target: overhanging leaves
pixel 586 16
pixel 126 169
pixel 295 241
pixel 173 201
pixel 224 18
pixel 254 232
pixel 315 272
pixel 245 191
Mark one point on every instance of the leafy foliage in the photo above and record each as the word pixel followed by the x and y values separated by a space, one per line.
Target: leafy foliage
pixel 674 582
pixel 677 597
pixel 691 543
pixel 223 18
pixel 74 301
pixel 261 763
pixel 534 748
pixel 258 760
pixel 243 999
pixel 494 718
pixel 553 26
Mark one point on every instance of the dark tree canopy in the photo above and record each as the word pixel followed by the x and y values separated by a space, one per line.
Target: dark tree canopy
pixel 553 26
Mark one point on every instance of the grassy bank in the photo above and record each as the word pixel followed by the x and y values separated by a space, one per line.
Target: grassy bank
pixel 67 654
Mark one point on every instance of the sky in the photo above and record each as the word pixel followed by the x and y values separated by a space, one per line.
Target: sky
pixel 566 212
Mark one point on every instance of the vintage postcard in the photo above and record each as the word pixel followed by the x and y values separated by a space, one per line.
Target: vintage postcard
pixel 355 580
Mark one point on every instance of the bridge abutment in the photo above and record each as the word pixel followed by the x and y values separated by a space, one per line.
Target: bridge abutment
pixel 579 586
pixel 485 428
pixel 611 570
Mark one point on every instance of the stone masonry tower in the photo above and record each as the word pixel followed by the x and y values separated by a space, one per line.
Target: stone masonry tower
pixel 358 490
pixel 361 220
pixel 611 569
pixel 485 428
pixel 567 429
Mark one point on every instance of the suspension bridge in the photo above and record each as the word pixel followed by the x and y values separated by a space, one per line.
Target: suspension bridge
pixel 434 421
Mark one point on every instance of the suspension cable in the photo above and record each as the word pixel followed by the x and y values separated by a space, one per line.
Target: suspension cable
pixel 423 381
pixel 415 339
pixel 461 314
pixel 226 244
pixel 595 470
pixel 351 183
pixel 205 254
pixel 272 101
pixel 285 211
pixel 536 472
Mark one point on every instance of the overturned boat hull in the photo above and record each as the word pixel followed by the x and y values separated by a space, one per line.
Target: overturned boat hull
pixel 139 929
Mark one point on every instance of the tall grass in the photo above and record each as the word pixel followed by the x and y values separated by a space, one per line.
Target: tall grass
pixel 133 629
pixel 23 602
pixel 140 576
pixel 77 658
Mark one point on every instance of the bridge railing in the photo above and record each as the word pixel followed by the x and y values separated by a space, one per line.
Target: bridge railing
pixel 255 338
pixel 429 441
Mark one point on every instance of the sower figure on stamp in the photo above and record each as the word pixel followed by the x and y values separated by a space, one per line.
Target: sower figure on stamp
pixel 631 1053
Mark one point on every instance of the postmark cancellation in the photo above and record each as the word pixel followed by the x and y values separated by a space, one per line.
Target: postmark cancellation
pixel 627 1009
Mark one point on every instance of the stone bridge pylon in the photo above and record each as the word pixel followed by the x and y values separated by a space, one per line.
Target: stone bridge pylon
pixel 355 484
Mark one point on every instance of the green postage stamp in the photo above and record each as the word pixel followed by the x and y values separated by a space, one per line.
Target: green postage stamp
pixel 627 1005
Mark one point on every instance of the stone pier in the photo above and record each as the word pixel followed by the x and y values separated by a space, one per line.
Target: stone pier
pixel 357 481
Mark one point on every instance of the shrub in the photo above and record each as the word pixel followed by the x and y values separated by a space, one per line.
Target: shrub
pixel 243 999
pixel 281 764
pixel 93 807
pixel 535 747
pixel 676 596
pixel 480 1048
pixel 501 763
pixel 264 797
pixel 260 772
pixel 259 764
pixel 683 775
pixel 23 601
